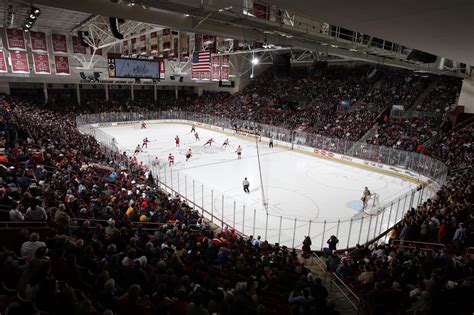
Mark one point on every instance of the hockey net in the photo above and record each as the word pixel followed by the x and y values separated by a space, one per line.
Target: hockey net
pixel 373 205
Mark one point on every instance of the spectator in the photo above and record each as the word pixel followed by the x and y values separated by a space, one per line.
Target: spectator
pixel 29 247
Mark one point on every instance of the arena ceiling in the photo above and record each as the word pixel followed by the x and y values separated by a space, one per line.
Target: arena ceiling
pixel 440 27
pixel 415 25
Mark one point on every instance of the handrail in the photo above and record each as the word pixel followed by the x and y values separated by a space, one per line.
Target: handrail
pixel 417 242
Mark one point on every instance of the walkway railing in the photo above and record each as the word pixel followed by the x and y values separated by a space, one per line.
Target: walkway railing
pixel 290 231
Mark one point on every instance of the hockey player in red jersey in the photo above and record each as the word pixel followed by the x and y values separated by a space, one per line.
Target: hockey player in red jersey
pixel 176 139
pixel 196 136
pixel 210 141
pixel 145 142
pixel 143 125
pixel 170 159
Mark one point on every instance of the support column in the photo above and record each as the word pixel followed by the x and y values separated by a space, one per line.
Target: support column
pixel 155 92
pixel 78 94
pixel 132 91
pixel 45 92
pixel 106 92
pixel 176 92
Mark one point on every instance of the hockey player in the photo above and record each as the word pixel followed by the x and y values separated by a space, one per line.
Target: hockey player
pixel 193 129
pixel 270 144
pixel 176 139
pixel 239 153
pixel 189 154
pixel 246 185
pixel 365 197
pixel 196 136
pixel 143 125
pixel 226 143
pixel 170 159
pixel 145 142
pixel 137 150
pixel 156 162
pixel 210 141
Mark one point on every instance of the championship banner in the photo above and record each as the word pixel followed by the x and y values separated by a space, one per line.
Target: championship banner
pixel 216 68
pixel 143 49
pixel 166 42
pixel 38 41
pixel 3 63
pixel 154 42
pixel 15 39
pixel 225 68
pixel 134 46
pixel 184 41
pixel 125 49
pixel 98 52
pixel 41 64
pixel 59 43
pixel 62 65
pixel 77 47
pixel 19 61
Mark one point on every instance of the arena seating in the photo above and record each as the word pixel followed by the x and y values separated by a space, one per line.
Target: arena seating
pixel 105 238
pixel 108 228
pixel 426 268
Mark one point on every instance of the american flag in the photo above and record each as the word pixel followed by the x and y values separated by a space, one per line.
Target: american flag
pixel 201 61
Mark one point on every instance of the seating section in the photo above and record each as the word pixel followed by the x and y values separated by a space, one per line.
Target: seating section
pixel 92 234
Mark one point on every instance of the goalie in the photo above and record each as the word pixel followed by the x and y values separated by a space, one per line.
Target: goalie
pixel 365 197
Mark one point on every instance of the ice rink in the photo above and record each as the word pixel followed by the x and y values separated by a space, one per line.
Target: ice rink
pixel 298 187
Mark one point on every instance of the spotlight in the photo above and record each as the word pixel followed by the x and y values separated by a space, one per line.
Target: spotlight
pixel 255 61
pixel 32 16
pixel 36 11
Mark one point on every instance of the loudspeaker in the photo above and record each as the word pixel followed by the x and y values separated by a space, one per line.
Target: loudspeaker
pixel 281 66
pixel 83 76
pixel 114 28
pixel 172 77
pixel 181 79
pixel 80 35
pixel 421 56
pixel 174 33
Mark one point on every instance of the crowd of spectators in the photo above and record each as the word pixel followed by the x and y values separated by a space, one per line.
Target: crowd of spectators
pixel 405 277
pixel 108 241
pixel 455 147
pixel 404 134
pixel 443 95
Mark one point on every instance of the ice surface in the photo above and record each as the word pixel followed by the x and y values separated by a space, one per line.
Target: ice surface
pixel 295 185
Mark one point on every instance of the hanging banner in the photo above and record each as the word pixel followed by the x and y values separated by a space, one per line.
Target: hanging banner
pixel 143 49
pixel 216 68
pixel 62 65
pixel 15 39
pixel 38 41
pixel 19 61
pixel 98 52
pixel 77 47
pixel 3 63
pixel 41 64
pixel 134 46
pixel 225 68
pixel 154 42
pixel 125 49
pixel 184 42
pixel 59 43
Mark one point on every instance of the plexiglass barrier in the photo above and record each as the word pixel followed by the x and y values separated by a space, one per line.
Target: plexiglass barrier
pixel 224 211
